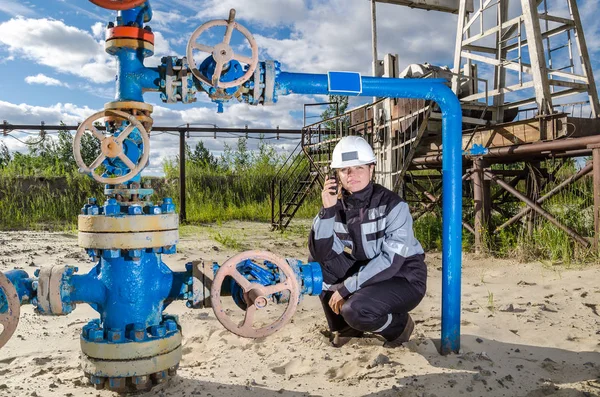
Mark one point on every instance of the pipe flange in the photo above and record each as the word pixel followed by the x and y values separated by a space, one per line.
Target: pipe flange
pixel 133 384
pixel 127 105
pixel 129 241
pixel 128 223
pixel 135 367
pixel 112 46
pixel 129 32
pixel 130 350
pixel 140 110
pixel 54 287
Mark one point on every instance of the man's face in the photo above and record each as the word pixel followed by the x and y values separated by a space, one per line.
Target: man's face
pixel 356 178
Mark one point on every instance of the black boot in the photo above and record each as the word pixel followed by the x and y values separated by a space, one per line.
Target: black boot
pixel 404 336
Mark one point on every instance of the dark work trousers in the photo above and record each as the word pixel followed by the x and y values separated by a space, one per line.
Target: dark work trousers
pixel 380 308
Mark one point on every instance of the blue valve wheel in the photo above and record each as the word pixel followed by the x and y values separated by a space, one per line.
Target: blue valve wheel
pixel 10 308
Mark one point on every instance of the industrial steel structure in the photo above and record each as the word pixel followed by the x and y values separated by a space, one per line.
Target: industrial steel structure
pixel 524 78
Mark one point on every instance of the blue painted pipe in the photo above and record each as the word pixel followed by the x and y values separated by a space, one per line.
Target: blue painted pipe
pixel 92 288
pixel 22 283
pixel 137 15
pixel 125 291
pixel 133 78
pixel 435 90
pixel 87 288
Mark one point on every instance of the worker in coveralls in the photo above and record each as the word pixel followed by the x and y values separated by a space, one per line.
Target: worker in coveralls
pixel 374 271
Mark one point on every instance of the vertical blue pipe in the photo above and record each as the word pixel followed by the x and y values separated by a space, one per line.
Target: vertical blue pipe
pixel 137 15
pixel 435 90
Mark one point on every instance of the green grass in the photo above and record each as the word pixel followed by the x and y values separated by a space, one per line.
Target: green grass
pixel 571 207
pixel 227 241
pixel 44 203
pixel 42 190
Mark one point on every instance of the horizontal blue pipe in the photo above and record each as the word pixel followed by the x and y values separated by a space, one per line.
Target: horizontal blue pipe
pixel 174 283
pixel 87 288
pixel 22 283
pixel 437 91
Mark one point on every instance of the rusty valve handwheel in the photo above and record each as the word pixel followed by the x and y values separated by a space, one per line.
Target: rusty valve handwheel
pixel 256 295
pixel 10 308
pixel 111 146
pixel 222 52
pixel 118 4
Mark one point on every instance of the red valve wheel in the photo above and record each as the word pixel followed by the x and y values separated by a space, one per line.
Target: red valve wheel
pixel 118 4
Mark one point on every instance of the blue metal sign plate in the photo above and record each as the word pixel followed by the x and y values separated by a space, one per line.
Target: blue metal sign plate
pixel 344 83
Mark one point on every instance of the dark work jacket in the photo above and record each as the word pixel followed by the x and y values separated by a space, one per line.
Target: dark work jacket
pixel 372 228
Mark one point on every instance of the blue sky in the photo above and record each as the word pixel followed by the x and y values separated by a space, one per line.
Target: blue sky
pixel 54 68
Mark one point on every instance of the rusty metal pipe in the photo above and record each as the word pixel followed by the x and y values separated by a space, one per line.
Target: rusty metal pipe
pixel 560 145
pixel 564 145
pixel 574 178
pixel 538 209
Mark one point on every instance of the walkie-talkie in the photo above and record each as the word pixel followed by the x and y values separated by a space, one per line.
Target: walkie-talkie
pixel 333 175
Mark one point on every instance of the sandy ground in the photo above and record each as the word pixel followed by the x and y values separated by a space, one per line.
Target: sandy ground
pixel 527 330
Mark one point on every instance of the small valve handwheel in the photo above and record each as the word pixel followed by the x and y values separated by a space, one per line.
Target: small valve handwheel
pixel 10 308
pixel 111 146
pixel 118 4
pixel 255 294
pixel 222 52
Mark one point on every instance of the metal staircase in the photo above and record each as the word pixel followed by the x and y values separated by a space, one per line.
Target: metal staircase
pixel 289 188
pixel 305 167
pixel 309 162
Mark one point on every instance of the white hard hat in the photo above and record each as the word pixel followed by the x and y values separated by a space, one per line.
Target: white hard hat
pixel 351 151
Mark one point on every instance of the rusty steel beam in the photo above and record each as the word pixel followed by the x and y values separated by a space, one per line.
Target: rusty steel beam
pixel 513 182
pixel 539 209
pixel 481 213
pixel 573 178
pixel 468 227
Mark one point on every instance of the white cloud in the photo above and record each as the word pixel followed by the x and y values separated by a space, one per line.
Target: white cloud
pixel 65 48
pixel 15 8
pixel 161 49
pixel 28 114
pixel 269 13
pixel 318 43
pixel 164 145
pixel 98 30
pixel 45 80
pixel 166 20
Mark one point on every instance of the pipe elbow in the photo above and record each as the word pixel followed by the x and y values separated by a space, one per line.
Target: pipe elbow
pixel 446 99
